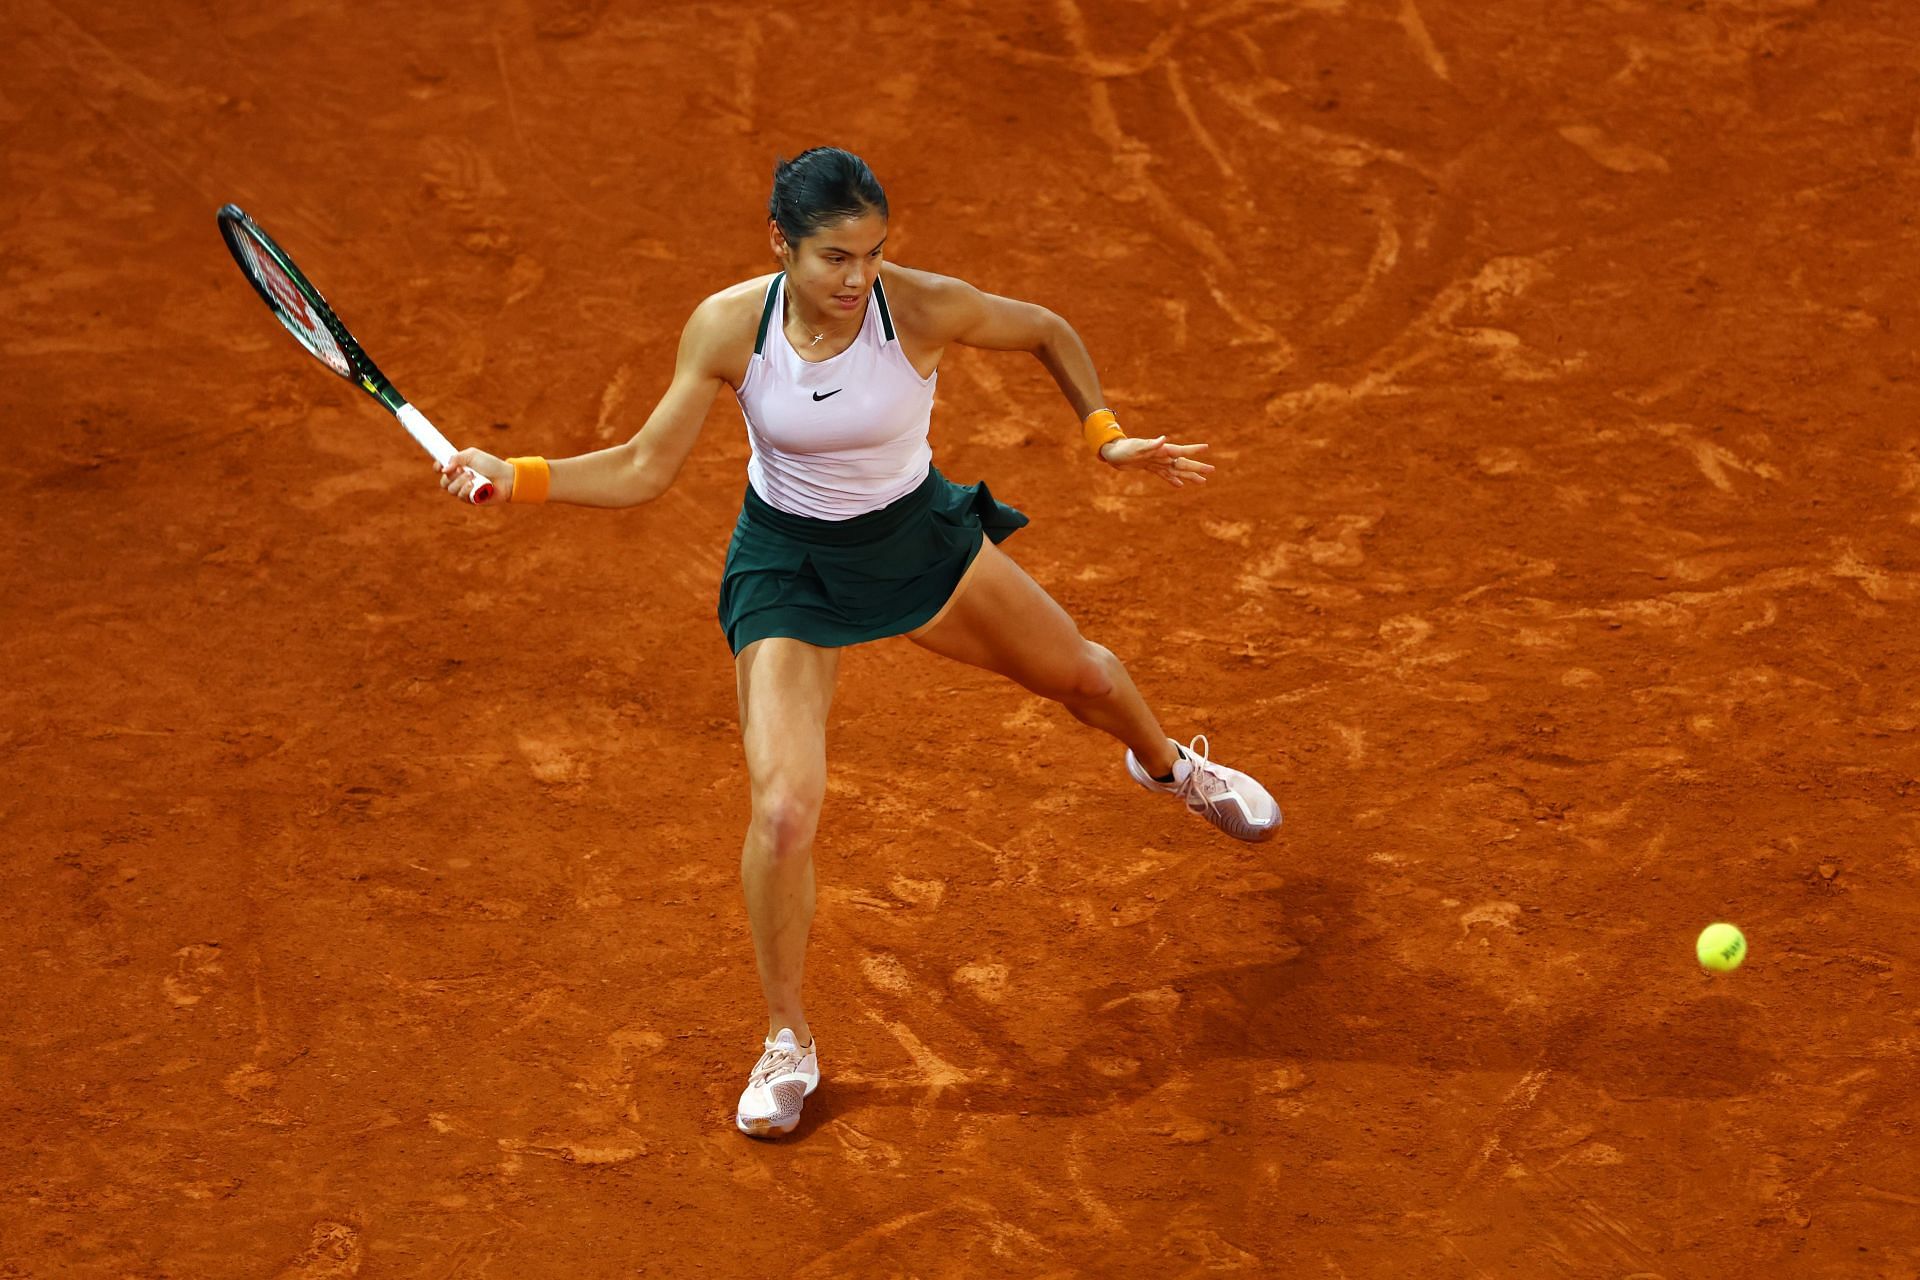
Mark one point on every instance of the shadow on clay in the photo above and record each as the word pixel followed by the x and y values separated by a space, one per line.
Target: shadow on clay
pixel 1343 997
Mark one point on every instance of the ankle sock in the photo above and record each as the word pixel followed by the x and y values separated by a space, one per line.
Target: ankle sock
pixel 1167 780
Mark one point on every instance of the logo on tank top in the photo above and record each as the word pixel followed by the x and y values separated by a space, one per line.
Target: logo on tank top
pixel 836 391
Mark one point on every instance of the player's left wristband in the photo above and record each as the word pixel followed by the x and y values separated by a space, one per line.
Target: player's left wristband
pixel 531 479
pixel 1101 429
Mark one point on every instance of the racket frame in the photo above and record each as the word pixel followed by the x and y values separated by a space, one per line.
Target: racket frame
pixel 235 223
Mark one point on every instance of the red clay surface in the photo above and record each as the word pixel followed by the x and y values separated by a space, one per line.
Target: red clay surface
pixel 370 893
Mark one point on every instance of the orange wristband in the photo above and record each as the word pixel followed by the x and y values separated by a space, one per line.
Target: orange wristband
pixel 1101 429
pixel 531 479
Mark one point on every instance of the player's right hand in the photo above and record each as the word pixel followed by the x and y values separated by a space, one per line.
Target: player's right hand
pixel 455 480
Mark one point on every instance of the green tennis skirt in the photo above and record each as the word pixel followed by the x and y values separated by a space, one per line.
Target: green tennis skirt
pixel 839 582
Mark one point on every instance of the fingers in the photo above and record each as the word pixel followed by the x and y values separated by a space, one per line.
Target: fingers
pixel 1177 465
pixel 1180 472
pixel 1174 463
pixel 460 480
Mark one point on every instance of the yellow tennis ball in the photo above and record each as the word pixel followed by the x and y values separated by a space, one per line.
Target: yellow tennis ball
pixel 1721 947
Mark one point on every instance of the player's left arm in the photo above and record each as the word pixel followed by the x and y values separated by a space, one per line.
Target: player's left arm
pixel 955 311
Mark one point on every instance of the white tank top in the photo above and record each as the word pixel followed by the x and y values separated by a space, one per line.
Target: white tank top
pixel 842 436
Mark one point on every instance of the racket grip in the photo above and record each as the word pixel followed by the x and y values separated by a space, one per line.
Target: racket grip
pixel 441 448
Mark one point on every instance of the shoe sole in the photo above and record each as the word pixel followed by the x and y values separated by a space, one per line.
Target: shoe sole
pixel 769 1126
pixel 764 1128
pixel 1233 826
pixel 1243 831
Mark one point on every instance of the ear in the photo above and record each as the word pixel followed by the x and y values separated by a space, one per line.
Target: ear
pixel 778 238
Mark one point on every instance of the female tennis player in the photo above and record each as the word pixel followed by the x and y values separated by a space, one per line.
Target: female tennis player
pixel 848 533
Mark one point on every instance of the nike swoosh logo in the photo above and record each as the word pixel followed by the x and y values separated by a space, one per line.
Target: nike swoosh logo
pixel 836 391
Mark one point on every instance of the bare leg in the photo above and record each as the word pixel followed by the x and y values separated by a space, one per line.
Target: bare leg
pixel 786 688
pixel 1002 620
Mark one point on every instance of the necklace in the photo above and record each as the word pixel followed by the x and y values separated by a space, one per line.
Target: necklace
pixel 819 335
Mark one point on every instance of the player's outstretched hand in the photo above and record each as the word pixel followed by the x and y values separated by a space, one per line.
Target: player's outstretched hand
pixel 454 477
pixel 1174 463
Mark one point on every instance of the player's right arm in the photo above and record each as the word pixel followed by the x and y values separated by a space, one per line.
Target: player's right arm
pixel 643 468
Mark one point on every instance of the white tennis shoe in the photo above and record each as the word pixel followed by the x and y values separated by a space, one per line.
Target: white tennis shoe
pixel 781 1081
pixel 1227 798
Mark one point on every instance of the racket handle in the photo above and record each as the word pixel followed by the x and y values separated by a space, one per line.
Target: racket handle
pixel 441 448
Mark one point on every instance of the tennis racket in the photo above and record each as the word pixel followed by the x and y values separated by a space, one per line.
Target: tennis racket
pixel 298 305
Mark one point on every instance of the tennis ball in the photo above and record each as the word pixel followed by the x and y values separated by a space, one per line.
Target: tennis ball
pixel 1721 947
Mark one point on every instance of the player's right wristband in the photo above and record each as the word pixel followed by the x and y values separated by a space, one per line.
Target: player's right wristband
pixel 1101 429
pixel 531 478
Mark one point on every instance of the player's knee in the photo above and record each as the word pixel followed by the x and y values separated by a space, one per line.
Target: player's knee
pixel 787 818
pixel 1089 677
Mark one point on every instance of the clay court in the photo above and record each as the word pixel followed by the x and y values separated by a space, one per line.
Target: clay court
pixel 371 899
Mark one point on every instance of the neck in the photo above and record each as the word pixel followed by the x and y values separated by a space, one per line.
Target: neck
pixel 822 324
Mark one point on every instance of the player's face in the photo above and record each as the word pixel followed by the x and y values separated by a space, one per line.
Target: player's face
pixel 835 267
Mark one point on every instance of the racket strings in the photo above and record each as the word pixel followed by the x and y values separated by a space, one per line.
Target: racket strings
pixel 292 308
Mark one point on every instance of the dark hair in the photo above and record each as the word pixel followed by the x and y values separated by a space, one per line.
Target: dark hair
pixel 819 186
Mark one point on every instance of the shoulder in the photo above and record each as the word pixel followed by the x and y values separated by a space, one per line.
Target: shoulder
pixel 933 305
pixel 733 308
pixel 719 335
pixel 913 289
pixel 940 309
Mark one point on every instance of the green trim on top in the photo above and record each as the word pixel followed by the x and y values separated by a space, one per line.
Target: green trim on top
pixel 886 316
pixel 766 316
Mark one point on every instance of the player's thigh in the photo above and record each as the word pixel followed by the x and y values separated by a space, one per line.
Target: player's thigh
pixel 786 691
pixel 1004 621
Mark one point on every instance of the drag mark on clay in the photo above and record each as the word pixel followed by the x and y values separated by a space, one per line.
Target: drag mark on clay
pixel 1454 1248
pixel 1416 29
pixel 1097 1209
pixel 1179 87
pixel 532 154
pixel 1133 157
pixel 1599 1232
pixel 932 1076
pixel 1713 460
pixel 1876 583
pixel 1386 253
pixel 583 1153
pixel 333 1250
pixel 1619 157
pixel 1089 63
pixel 611 401
pixel 861 1147
pixel 469 1257
pixel 1511 1109
pixel 830 1262
pixel 1493 288
pixel 1325 146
